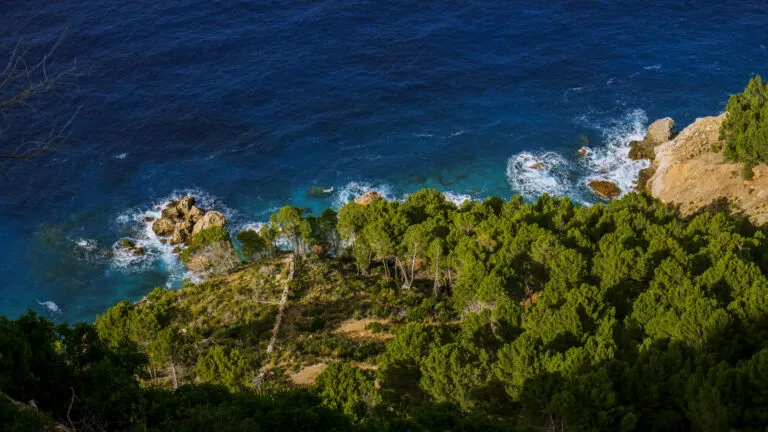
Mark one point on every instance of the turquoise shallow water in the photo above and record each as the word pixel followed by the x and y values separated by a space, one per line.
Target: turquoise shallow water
pixel 249 105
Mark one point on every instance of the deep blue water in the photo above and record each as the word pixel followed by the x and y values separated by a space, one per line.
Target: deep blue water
pixel 248 105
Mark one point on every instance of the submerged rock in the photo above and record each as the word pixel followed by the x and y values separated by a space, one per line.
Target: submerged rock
pixel 605 189
pixel 536 166
pixel 319 192
pixel 368 198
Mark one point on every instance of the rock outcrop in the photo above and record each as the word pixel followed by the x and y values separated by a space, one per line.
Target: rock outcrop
pixel 368 198
pixel 605 189
pixel 691 172
pixel 208 220
pixel 181 220
pixel 659 132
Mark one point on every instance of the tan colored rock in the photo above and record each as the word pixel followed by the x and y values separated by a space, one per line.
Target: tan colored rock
pixel 605 189
pixel 195 213
pixel 208 220
pixel 536 166
pixel 368 198
pixel 183 225
pixel 660 131
pixel 138 251
pixel 690 175
pixel 149 219
pixel 170 213
pixel 178 237
pixel 127 244
pixel 185 204
pixel 583 152
pixel 177 249
pixel 163 227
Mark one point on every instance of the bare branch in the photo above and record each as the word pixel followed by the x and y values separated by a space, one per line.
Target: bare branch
pixel 26 87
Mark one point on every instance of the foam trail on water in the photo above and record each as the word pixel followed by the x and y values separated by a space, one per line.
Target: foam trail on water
pixel 50 306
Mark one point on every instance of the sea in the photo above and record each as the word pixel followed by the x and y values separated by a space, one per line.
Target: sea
pixel 250 105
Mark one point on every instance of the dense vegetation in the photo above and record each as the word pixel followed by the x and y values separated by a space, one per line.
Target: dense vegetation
pixel 489 316
pixel 745 129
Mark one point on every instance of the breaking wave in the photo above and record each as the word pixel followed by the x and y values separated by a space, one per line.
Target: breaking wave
pixel 532 174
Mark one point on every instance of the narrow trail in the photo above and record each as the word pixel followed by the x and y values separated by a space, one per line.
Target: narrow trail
pixel 276 329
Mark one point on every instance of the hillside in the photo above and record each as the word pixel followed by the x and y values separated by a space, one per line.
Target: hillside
pixel 492 316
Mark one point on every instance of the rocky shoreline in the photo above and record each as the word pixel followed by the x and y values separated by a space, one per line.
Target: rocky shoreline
pixel 689 170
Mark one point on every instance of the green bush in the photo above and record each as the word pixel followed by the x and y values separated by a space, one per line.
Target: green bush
pixel 202 239
pixel 252 244
pixel 745 129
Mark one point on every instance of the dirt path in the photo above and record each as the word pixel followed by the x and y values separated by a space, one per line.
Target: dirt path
pixel 276 329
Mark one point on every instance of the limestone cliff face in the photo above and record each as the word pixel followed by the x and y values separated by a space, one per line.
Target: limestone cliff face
pixel 688 173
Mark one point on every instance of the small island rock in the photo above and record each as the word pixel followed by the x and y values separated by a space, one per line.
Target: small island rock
pixel 605 189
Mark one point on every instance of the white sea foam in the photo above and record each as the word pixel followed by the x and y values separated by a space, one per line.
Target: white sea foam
pixel 87 244
pixel 652 67
pixel 354 190
pixel 532 174
pixel 121 156
pixel 611 161
pixel 50 306
pixel 530 179
pixel 457 198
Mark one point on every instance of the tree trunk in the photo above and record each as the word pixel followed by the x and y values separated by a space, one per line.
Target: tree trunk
pixel 436 287
pixel 413 268
pixel 173 371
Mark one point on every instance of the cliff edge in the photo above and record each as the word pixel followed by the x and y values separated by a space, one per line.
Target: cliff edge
pixel 691 172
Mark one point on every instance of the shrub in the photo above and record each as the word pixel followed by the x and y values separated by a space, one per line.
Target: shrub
pixel 745 129
pixel 253 245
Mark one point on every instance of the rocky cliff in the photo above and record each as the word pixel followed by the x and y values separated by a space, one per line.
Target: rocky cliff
pixel 691 172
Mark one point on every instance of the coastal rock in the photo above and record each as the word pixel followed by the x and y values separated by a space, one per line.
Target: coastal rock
pixel 163 227
pixel 642 150
pixel 170 213
pixel 185 204
pixel 689 174
pixel 178 237
pixel 149 218
pixel 129 245
pixel 368 198
pixel 583 152
pixel 660 131
pixel 177 249
pixel 536 166
pixel 210 219
pixel 605 189
pixel 194 214
pixel 183 225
